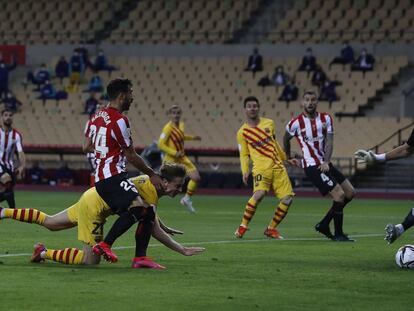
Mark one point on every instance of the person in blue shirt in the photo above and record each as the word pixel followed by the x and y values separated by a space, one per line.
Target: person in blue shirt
pixel 4 75
pixel 101 63
pixel 346 57
pixel 62 69
pixel 47 92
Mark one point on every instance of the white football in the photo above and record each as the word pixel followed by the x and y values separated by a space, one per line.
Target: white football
pixel 405 257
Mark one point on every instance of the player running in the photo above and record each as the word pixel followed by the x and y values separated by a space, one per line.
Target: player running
pixel 257 142
pixel 171 142
pixel 314 133
pixel 109 137
pixel 89 215
pixel 392 232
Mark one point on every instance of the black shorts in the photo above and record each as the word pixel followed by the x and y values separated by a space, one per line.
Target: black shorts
pixel 325 182
pixel 117 191
pixel 5 170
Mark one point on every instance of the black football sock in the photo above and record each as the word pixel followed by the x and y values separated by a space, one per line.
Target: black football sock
pixel 338 217
pixel 9 197
pixel 408 220
pixel 142 236
pixel 124 222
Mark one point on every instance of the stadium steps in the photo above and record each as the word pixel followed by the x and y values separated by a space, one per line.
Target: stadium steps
pixel 368 109
pixel 121 12
pixel 386 104
pixel 261 21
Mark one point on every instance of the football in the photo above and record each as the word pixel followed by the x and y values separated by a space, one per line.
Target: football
pixel 405 257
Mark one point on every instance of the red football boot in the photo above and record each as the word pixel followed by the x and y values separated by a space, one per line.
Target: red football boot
pixel 145 262
pixel 103 249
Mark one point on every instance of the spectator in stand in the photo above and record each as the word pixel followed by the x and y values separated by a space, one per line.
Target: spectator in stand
pixel 41 75
pixel 84 53
pixel 318 77
pixel 47 92
pixel 91 104
pixel 308 61
pixel 95 84
pixel 76 68
pixel 65 176
pixel 347 55
pixel 11 102
pixel 62 69
pixel 365 62
pixel 255 62
pixel 36 174
pixel 290 92
pixel 101 63
pixel 279 77
pixel 328 92
pixel 4 75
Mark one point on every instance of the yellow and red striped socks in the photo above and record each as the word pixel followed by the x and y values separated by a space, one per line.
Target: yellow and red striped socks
pixel 280 213
pixel 29 215
pixel 191 188
pixel 249 211
pixel 68 256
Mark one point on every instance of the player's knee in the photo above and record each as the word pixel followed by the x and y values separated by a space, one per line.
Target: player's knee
pixel 338 194
pixel 351 194
pixel 287 200
pixel 259 195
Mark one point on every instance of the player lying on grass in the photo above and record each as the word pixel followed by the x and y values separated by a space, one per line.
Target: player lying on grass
pixel 392 232
pixel 90 214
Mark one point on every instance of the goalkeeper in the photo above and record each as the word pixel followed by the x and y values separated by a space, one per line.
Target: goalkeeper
pixel 392 232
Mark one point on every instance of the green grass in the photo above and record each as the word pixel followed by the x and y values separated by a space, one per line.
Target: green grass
pixel 303 272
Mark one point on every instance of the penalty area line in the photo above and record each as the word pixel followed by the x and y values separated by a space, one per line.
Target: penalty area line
pixel 222 242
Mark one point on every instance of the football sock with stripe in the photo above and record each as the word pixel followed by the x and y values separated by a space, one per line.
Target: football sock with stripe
pixel 408 220
pixel 191 188
pixel 29 215
pixel 68 256
pixel 142 237
pixel 249 211
pixel 281 212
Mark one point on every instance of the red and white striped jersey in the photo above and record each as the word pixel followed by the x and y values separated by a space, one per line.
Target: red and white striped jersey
pixel 90 155
pixel 10 141
pixel 311 135
pixel 110 132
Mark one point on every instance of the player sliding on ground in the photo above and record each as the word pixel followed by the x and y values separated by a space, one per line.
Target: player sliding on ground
pixel 90 214
pixel 392 232
pixel 314 133
pixel 257 142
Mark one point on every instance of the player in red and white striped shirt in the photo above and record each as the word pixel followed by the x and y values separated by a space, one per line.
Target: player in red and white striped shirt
pixel 314 132
pixel 10 143
pixel 109 136
pixel 91 155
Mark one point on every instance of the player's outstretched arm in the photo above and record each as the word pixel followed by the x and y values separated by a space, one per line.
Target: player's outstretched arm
pixel 286 144
pixel 168 241
pixel 368 156
pixel 170 231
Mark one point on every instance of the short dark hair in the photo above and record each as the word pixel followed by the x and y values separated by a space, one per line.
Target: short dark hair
pixel 309 92
pixel 117 87
pixel 169 171
pixel 250 99
pixel 174 107
pixel 6 110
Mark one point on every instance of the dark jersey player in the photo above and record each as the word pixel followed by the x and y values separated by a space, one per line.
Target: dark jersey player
pixel 109 137
pixel 392 231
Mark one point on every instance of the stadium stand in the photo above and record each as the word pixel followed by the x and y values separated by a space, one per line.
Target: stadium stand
pixel 184 21
pixel 210 90
pixel 315 21
pixel 54 21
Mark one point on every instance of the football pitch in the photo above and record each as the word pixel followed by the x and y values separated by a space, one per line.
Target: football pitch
pixel 302 272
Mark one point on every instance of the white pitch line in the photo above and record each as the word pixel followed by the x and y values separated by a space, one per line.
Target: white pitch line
pixel 222 242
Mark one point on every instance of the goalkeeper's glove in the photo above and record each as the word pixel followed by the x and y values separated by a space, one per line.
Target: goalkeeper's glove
pixel 369 156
